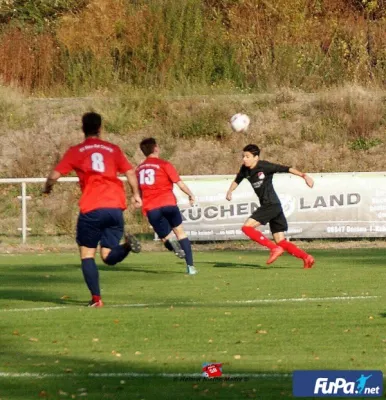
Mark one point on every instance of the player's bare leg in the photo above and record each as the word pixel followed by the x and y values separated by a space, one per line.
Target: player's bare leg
pixel 187 248
pixel 249 229
pixel 91 275
pixel 173 245
pixel 104 252
pixel 308 260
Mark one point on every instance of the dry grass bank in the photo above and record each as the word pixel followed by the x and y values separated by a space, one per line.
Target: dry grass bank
pixel 341 129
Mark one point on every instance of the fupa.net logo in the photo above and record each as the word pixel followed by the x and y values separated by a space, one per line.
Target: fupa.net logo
pixel 337 383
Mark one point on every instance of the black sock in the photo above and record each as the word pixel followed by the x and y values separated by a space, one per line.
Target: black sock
pixel 91 275
pixel 185 245
pixel 168 245
pixel 117 254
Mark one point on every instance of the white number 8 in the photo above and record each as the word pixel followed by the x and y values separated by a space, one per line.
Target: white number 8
pixel 97 162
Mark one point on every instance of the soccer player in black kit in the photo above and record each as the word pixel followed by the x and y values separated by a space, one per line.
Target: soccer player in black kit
pixel 260 174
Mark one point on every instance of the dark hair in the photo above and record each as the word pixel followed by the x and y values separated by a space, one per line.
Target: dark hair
pixel 148 145
pixel 91 123
pixel 252 148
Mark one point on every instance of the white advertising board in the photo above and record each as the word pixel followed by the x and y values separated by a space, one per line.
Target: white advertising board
pixel 341 205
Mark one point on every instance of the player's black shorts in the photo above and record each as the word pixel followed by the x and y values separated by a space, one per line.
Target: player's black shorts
pixel 104 226
pixel 164 219
pixel 273 214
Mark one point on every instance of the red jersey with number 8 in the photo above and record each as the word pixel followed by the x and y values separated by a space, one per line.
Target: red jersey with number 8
pixel 97 164
pixel 156 178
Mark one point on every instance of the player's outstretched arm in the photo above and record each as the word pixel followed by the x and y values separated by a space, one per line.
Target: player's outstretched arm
pixel 187 191
pixel 232 187
pixel 50 182
pixel 309 181
pixel 132 180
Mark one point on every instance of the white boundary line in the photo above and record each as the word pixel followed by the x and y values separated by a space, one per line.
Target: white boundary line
pixel 193 303
pixel 192 376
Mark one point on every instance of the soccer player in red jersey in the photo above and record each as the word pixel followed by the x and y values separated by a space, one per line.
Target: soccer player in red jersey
pixel 260 173
pixel 156 178
pixel 97 164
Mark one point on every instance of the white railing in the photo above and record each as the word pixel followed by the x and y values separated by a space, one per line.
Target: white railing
pixel 351 204
pixel 24 197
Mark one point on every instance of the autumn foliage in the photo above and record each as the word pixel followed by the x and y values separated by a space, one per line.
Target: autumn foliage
pixel 253 44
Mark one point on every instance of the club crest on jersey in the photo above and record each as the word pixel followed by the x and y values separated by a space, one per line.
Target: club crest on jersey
pixel 261 175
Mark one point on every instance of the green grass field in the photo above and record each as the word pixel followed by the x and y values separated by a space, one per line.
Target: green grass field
pixel 258 321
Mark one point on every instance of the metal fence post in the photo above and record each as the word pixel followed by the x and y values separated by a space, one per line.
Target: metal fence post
pixel 24 199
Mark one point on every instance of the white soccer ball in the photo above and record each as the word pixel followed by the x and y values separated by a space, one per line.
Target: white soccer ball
pixel 240 122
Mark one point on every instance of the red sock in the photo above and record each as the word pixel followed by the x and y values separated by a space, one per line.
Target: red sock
pixel 258 237
pixel 292 249
pixel 95 298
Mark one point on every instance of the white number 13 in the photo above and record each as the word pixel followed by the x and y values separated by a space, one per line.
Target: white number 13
pixel 146 177
pixel 98 163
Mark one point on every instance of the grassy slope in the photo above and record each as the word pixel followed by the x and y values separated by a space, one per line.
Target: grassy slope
pixel 336 130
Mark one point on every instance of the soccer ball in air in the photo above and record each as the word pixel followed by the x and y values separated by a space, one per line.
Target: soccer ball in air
pixel 240 122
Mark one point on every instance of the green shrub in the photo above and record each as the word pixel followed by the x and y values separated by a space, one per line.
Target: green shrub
pixel 364 144
pixel 38 12
pixel 13 112
pixel 131 109
pixel 203 123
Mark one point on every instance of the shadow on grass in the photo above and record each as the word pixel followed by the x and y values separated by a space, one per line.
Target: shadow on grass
pixel 244 265
pixel 145 270
pixel 47 377
pixel 33 283
pixel 57 377
pixel 35 296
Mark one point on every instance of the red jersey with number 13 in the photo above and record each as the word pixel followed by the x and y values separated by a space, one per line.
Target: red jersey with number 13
pixel 97 164
pixel 156 178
